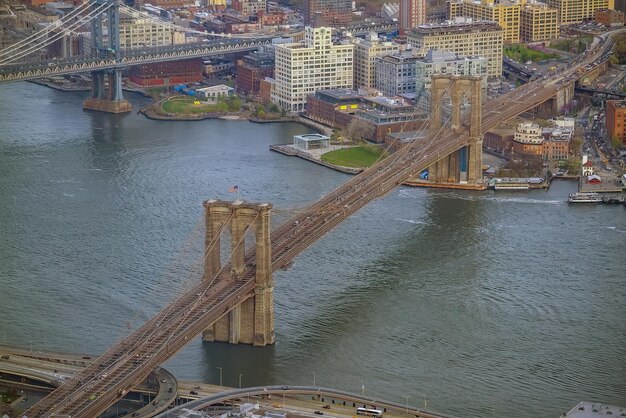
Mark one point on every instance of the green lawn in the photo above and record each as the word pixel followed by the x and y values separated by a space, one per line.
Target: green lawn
pixel 522 54
pixel 358 157
pixel 185 105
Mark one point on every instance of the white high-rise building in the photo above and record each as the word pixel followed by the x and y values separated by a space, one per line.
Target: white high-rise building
pixel 314 64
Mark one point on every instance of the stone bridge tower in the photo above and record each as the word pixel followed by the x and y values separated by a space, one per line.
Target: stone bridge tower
pixel 252 321
pixel 464 165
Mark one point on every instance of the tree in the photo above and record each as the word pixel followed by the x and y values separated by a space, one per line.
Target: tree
pixel 274 108
pixel 616 142
pixel 360 130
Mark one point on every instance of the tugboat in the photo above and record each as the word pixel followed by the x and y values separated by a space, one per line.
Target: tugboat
pixel 582 197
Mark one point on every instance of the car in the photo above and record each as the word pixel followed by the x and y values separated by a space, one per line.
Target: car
pixel 162 380
pixel 326 407
pixel 318 413
pixel 193 392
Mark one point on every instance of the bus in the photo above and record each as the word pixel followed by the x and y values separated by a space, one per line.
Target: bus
pixel 369 412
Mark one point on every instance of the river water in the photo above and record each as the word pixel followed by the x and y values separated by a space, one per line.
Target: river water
pixel 481 304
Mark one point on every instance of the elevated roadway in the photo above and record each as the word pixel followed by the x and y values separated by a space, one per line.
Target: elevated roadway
pixel 129 361
pixel 358 400
pixel 43 371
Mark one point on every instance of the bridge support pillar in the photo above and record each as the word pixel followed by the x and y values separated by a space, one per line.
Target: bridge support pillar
pixel 105 99
pixel 252 321
pixel 464 165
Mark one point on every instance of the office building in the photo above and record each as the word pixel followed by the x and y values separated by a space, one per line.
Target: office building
pixel 576 11
pixel 472 39
pixel 252 69
pixel 137 33
pixel 395 74
pixel 315 64
pixel 538 22
pixel 365 53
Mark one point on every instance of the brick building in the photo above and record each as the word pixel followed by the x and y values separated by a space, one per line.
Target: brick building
pixel 253 68
pixel 167 73
pixel 616 119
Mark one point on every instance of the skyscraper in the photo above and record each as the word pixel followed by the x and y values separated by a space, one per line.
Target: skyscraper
pixel 412 13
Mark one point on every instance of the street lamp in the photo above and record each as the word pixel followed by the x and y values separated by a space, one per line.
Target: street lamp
pixel 407 404
pixel 220 369
pixel 362 388
pixel 313 378
pixel 424 401
pixel 240 374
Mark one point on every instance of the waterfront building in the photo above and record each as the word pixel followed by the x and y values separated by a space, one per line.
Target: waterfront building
pixel 335 13
pixel 576 11
pixel 250 7
pixel 550 143
pixel 365 53
pixel 339 107
pixel 167 73
pixel 411 14
pixel 538 22
pixel 137 33
pixel 215 92
pixel 616 119
pixel 395 74
pixel 315 64
pixel 253 68
pixel 307 142
pixel 482 39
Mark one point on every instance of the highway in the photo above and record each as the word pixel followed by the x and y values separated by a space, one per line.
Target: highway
pixel 340 395
pixel 130 360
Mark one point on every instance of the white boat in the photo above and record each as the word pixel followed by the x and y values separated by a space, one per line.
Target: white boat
pixel 582 197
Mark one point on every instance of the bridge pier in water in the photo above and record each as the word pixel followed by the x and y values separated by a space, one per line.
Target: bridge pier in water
pixel 252 321
pixel 464 165
pixel 106 88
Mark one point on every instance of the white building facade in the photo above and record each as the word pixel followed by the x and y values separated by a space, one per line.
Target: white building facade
pixel 315 64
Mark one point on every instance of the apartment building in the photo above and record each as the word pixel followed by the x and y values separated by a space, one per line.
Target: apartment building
pixel 314 64
pixel 482 39
pixel 250 7
pixel 575 11
pixel 616 119
pixel 365 53
pixel 319 13
pixel 411 13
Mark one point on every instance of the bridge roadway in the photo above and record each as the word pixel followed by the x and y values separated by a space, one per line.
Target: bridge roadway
pixel 131 359
pixel 10 73
pixel 298 390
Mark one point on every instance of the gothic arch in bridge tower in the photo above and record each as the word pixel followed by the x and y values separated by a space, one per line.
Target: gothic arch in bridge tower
pixel 457 101
pixel 251 321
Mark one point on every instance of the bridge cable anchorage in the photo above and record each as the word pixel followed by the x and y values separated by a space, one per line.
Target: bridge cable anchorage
pixel 187 319
pixel 57 35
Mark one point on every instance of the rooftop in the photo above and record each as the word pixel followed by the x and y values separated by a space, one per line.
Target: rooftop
pixel 457 27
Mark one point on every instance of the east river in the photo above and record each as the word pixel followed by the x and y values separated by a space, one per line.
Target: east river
pixel 479 303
